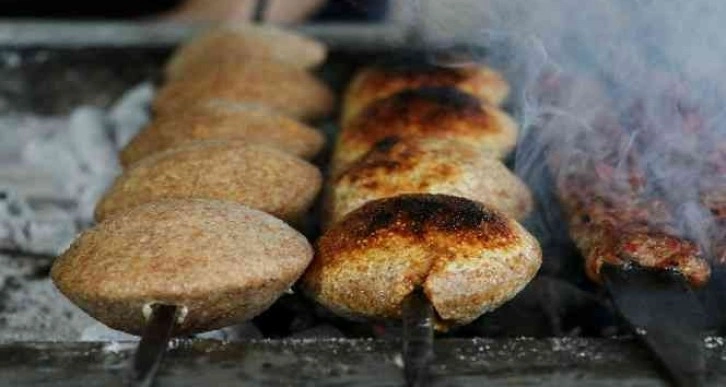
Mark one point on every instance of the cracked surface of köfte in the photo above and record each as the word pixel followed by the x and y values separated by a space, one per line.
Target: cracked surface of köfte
pixel 260 177
pixel 432 112
pixel 217 120
pixel 223 262
pixel 290 90
pixel 394 167
pixel 467 258
pixel 235 42
pixel 377 82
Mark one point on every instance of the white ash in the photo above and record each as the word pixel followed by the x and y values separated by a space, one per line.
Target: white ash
pixel 56 168
pixel 130 113
pixel 31 308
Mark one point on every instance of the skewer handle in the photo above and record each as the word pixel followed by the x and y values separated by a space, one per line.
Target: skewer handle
pixel 418 338
pixel 153 345
pixel 259 13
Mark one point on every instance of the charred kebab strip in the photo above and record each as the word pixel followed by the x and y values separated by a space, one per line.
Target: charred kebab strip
pixel 713 196
pixel 627 236
pixel 612 215
pixel 177 250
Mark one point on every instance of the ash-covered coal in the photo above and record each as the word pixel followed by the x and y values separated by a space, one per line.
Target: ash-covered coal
pixel 56 168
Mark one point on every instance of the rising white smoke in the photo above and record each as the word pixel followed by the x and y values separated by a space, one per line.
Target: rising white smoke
pixel 609 79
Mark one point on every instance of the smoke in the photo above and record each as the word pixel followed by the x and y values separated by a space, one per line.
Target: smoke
pixel 629 91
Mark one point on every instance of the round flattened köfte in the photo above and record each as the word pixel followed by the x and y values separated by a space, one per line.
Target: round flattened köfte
pixel 260 177
pixel 290 90
pixel 377 82
pixel 236 42
pixel 395 167
pixel 439 112
pixel 216 120
pixel 222 262
pixel 468 259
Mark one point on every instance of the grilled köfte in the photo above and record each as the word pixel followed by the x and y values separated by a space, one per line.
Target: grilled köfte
pixel 377 82
pixel 216 120
pixel 237 42
pixel 440 112
pixel 424 165
pixel 290 90
pixel 221 262
pixel 263 178
pixel 468 258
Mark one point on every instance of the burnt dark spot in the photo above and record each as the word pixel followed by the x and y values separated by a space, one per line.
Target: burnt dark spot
pixel 422 212
pixel 441 95
pixel 386 144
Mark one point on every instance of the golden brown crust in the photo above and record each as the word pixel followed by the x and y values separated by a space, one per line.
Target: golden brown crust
pixel 394 167
pixel 263 178
pixel 444 113
pixel 223 262
pixel 219 121
pixel 374 83
pixel 239 42
pixel 468 258
pixel 290 90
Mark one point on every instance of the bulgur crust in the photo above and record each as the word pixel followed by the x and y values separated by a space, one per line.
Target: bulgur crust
pixel 223 262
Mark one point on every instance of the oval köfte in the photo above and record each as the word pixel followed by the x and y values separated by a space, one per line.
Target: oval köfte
pixel 236 42
pixel 468 259
pixel 223 263
pixel 439 112
pixel 260 177
pixel 215 120
pixel 377 82
pixel 290 90
pixel 395 167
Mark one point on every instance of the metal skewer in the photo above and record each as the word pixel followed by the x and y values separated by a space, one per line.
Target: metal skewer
pixel 418 338
pixel 259 13
pixel 154 343
pixel 666 315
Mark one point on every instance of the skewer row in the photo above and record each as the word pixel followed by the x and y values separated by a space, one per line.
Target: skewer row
pixel 420 220
pixel 193 235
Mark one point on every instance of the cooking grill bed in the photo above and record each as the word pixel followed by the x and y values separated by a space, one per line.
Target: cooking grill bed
pixel 46 78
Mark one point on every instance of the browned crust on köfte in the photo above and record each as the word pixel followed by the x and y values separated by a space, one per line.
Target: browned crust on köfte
pixel 467 258
pixel 394 167
pixel 216 120
pixel 290 90
pixel 260 177
pixel 376 82
pixel 234 42
pixel 223 262
pixel 438 112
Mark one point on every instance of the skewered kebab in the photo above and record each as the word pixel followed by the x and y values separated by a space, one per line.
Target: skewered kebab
pixel 627 236
pixel 428 165
pixel 237 42
pixel 290 90
pixel 378 82
pixel 713 196
pixel 467 258
pixel 163 254
pixel 437 112
pixel 216 120
pixel 421 256
pixel 207 257
pixel 259 177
